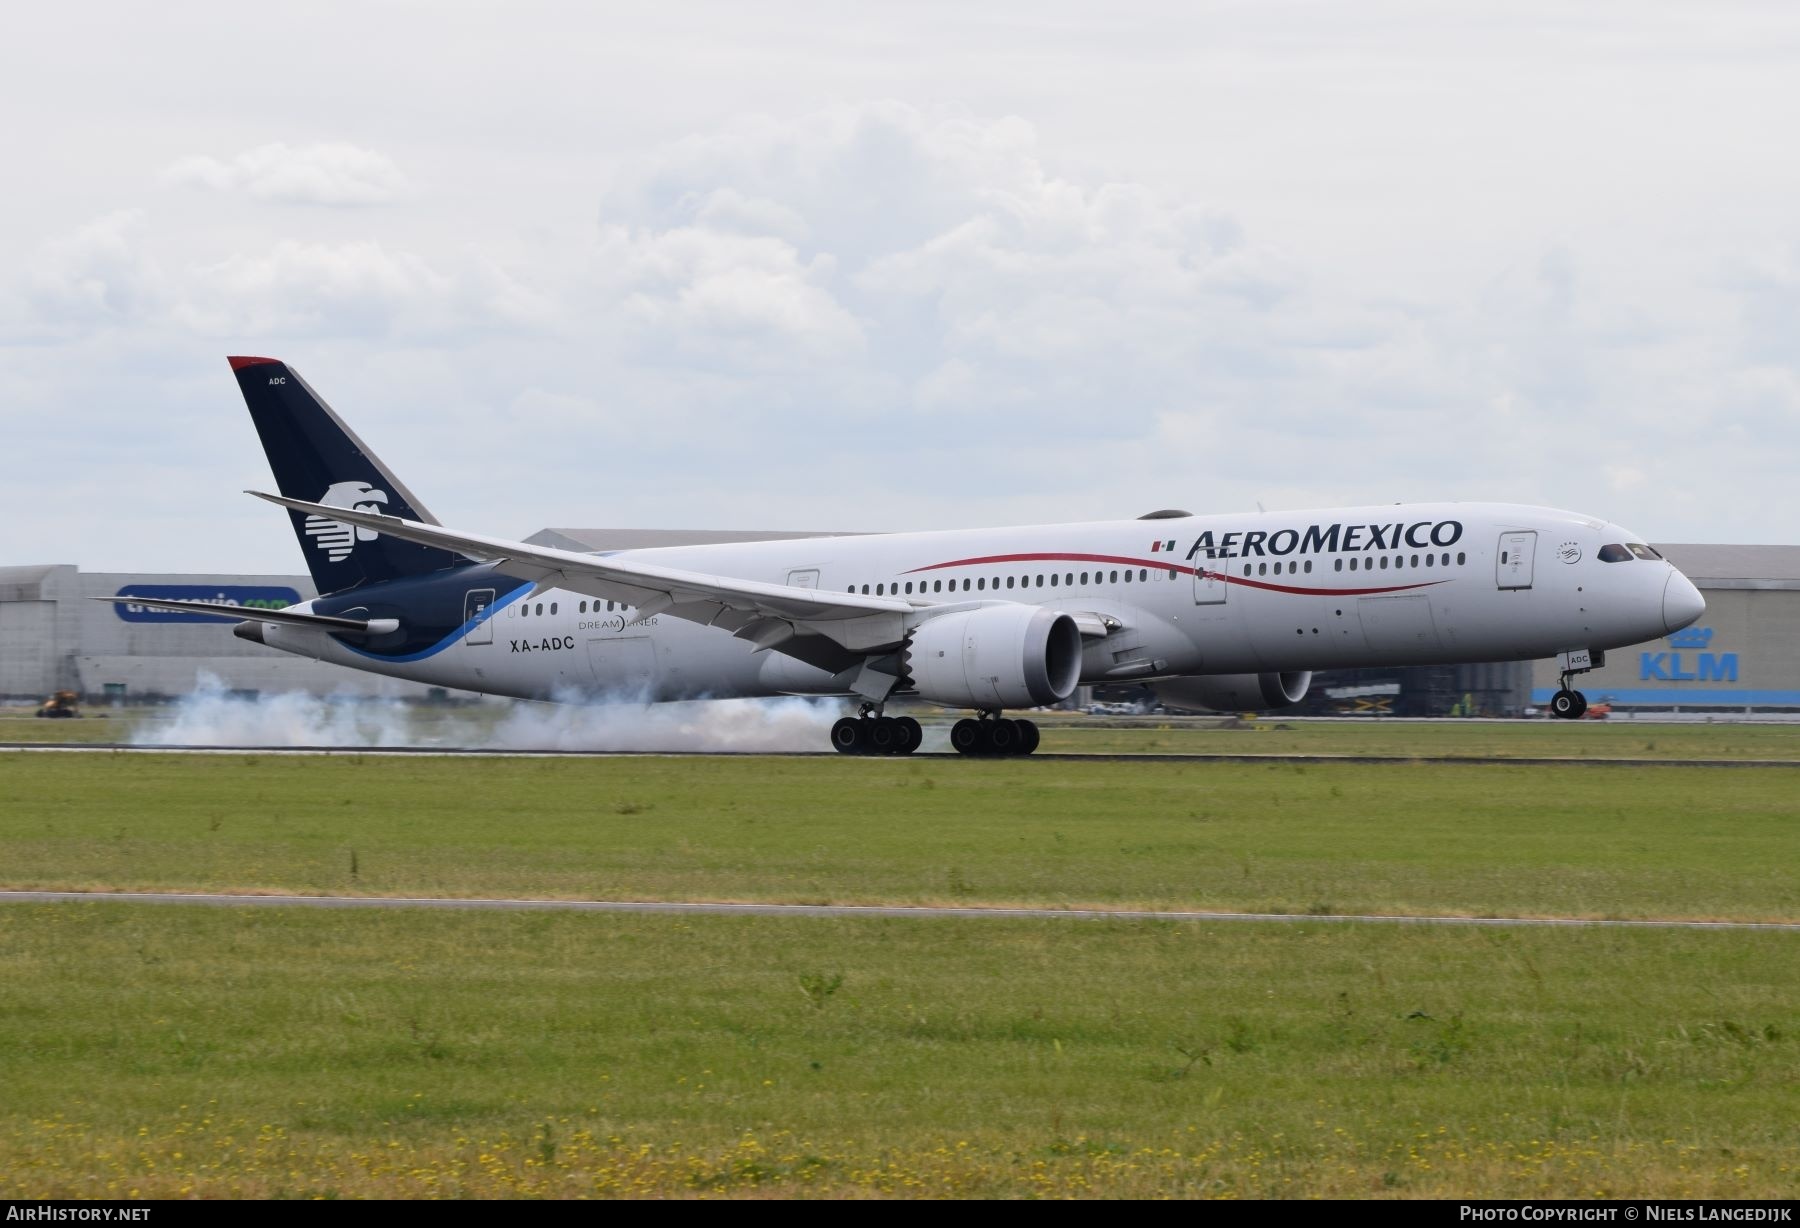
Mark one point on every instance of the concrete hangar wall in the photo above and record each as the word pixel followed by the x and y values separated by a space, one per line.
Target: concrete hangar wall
pixel 1743 654
pixel 52 638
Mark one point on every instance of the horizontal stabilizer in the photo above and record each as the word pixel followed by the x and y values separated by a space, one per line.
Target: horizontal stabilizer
pixel 293 618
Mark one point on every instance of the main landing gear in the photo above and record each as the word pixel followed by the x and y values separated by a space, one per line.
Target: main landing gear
pixel 993 735
pixel 873 734
pixel 870 733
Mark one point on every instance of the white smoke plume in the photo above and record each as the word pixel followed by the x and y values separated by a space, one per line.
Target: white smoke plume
pixel 215 716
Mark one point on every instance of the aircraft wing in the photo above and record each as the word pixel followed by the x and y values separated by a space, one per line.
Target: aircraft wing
pixel 294 618
pixel 767 615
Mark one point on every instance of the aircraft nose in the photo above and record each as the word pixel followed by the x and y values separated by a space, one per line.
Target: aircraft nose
pixel 1682 602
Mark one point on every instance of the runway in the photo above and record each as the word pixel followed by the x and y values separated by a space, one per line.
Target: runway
pixel 475 752
pixel 963 912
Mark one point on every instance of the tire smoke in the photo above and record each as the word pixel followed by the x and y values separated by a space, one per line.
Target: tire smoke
pixel 213 715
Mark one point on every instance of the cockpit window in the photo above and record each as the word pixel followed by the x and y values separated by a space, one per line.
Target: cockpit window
pixel 1643 551
pixel 1613 552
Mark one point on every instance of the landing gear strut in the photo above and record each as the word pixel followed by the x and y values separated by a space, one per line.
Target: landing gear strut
pixel 871 733
pixel 992 734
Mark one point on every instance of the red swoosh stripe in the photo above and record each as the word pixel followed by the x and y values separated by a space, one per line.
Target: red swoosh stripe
pixel 1157 565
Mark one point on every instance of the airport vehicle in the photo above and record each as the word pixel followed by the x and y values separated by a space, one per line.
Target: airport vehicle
pixel 61 705
pixel 1227 612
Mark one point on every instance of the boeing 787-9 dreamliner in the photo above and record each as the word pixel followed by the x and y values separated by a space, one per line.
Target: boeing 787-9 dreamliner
pixel 1231 612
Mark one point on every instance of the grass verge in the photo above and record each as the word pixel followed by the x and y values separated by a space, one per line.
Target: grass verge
pixel 174 1052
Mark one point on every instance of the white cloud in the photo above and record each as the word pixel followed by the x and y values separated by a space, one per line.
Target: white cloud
pixel 332 173
pixel 100 274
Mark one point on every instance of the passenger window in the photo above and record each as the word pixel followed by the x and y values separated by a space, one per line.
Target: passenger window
pixel 1127 575
pixel 1428 560
pixel 937 586
pixel 1143 575
pixel 1337 564
pixel 1415 561
pixel 1069 577
pixel 981 583
pixel 1052 579
pixel 1503 556
pixel 1461 558
pixel 540 609
pixel 1114 578
pixel 553 607
pixel 1040 580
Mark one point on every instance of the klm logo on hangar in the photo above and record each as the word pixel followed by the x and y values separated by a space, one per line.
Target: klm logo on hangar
pixel 1672 666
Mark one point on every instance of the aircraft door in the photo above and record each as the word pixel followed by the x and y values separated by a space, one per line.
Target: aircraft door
pixel 476 604
pixel 1209 580
pixel 1514 562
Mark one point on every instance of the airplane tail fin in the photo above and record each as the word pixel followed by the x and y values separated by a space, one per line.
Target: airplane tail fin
pixel 316 457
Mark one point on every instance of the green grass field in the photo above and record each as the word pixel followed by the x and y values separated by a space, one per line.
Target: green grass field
pixel 171 1051
pixel 1415 838
pixel 198 1051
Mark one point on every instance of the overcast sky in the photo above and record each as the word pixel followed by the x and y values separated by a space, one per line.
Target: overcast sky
pixel 807 266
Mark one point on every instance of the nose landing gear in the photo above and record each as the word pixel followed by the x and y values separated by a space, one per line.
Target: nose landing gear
pixel 1569 704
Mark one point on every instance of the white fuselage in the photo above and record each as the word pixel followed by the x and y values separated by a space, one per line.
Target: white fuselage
pixel 1280 591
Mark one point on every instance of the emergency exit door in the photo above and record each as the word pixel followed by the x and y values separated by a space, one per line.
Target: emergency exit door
pixel 1514 561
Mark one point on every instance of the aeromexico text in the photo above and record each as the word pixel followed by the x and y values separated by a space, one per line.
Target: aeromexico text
pixel 1329 539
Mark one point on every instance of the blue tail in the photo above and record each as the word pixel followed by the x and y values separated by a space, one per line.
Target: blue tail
pixel 316 457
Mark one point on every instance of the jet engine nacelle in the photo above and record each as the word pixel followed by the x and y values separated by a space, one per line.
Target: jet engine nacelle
pixel 998 656
pixel 1235 692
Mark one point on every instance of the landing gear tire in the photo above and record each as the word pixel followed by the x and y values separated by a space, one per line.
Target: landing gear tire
pixel 1002 737
pixel 911 735
pixel 1568 705
pixel 968 737
pixel 883 736
pixel 1028 737
pixel 849 737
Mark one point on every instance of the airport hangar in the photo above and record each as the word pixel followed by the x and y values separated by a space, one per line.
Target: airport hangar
pixel 1743 655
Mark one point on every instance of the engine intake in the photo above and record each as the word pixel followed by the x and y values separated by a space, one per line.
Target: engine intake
pixel 998 656
pixel 1235 692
